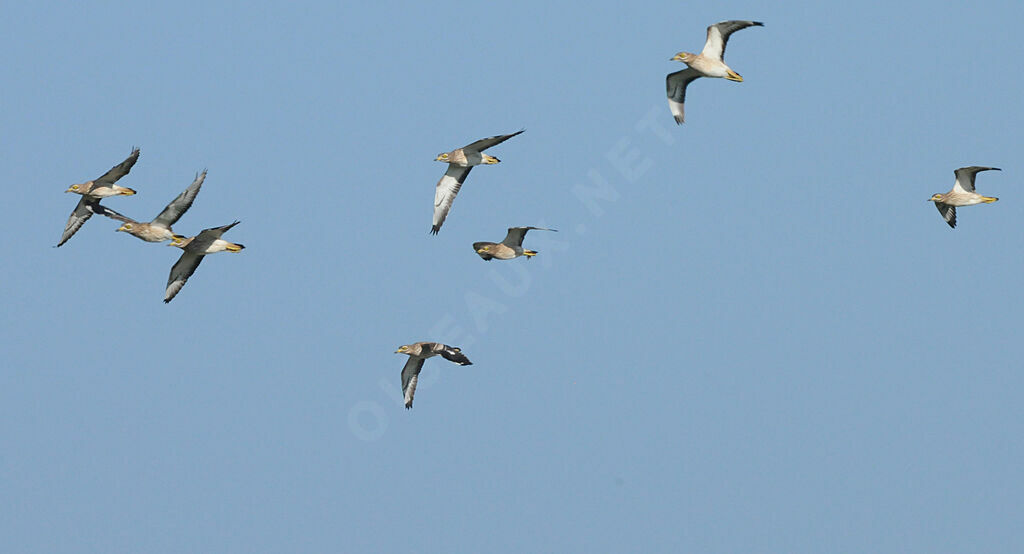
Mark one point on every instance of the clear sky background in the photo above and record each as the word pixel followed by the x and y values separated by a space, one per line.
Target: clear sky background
pixel 751 334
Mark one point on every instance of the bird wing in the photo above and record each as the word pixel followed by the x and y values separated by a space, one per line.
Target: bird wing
pixel 206 237
pixel 411 374
pixel 676 85
pixel 119 170
pixel 82 212
pixel 484 144
pixel 445 192
pixel 453 354
pixel 948 213
pixel 718 36
pixel 182 270
pixel 965 177
pixel 173 212
pixel 103 210
pixel 516 234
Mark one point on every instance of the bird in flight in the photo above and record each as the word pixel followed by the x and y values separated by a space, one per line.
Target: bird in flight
pixel 511 247
pixel 708 63
pixel 418 353
pixel 460 161
pixel 962 193
pixel 92 191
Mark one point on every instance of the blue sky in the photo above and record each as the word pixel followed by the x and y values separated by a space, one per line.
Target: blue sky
pixel 751 334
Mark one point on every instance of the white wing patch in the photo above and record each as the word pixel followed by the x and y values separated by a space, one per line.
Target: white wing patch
pixel 445 192
pixel 964 181
pixel 714 46
pixel 677 110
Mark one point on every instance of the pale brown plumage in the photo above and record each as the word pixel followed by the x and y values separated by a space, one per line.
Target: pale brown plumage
pixel 418 352
pixel 159 229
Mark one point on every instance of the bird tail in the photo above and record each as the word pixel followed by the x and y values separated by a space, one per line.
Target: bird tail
pixel 529 253
pixel 235 247
pixel 490 160
pixel 988 199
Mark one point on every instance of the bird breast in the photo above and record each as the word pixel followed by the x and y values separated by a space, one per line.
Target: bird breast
pixel 710 68
pixel 151 233
pixel 503 252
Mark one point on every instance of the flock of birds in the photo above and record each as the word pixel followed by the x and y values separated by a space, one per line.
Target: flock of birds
pixel 708 63
pixel 460 161
pixel 159 230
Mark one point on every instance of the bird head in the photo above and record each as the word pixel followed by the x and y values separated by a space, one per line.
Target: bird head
pixel 684 57
pixel 937 197
pixel 78 189
pixel 177 240
pixel 441 157
pixel 126 227
pixel 402 349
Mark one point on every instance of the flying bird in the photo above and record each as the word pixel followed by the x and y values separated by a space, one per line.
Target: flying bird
pixel 460 161
pixel 708 63
pixel 418 352
pixel 195 248
pixel 511 247
pixel 962 193
pixel 92 191
pixel 159 229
